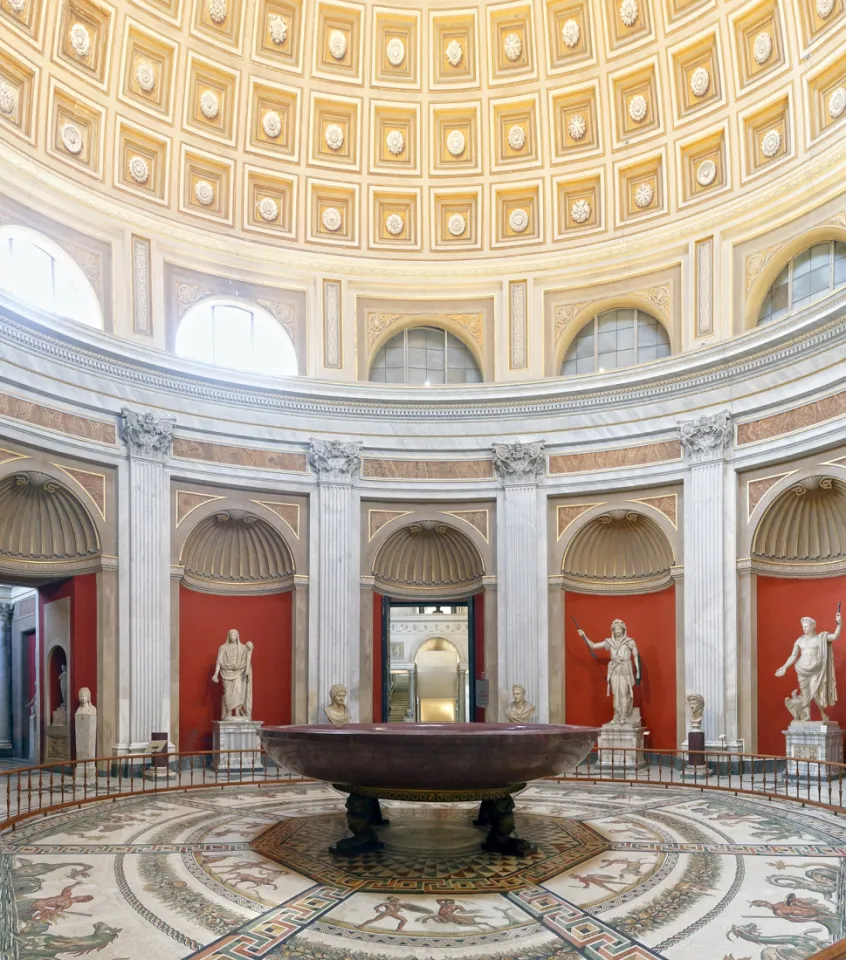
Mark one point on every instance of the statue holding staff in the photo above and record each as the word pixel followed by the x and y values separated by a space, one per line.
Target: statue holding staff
pixel 234 665
pixel 814 661
pixel 621 677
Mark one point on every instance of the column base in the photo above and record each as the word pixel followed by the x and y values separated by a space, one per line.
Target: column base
pixel 809 744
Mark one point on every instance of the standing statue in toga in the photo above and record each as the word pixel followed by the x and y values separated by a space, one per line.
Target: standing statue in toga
pixel 234 665
pixel 814 660
pixel 621 676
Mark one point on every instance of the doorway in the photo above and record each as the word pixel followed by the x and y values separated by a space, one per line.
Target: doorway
pixel 429 661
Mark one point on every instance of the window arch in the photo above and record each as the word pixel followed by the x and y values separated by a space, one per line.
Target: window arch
pixel 425 356
pixel 238 335
pixel 809 276
pixel 616 338
pixel 39 273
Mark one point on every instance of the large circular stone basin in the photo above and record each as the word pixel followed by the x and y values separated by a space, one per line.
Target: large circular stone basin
pixel 430 756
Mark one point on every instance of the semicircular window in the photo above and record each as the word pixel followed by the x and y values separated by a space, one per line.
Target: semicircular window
pixel 425 356
pixel 616 338
pixel 808 277
pixel 40 274
pixel 237 335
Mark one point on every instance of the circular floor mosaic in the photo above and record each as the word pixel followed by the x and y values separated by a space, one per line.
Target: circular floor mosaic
pixel 634 873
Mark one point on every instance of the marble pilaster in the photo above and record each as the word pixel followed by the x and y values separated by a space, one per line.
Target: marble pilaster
pixel 521 575
pixel 6 610
pixel 710 629
pixel 148 440
pixel 335 643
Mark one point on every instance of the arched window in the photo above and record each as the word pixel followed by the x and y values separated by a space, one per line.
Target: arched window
pixel 236 335
pixel 809 276
pixel 40 274
pixel 425 356
pixel 616 338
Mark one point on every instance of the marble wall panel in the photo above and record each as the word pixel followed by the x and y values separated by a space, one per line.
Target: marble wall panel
pixel 796 419
pixel 284 460
pixel 74 426
pixel 427 469
pixel 609 459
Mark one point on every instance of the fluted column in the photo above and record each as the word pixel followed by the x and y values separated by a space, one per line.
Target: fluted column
pixel 335 647
pixel 148 441
pixel 6 610
pixel 710 629
pixel 521 576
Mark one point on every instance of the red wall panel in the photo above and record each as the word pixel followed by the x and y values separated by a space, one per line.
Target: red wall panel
pixel 651 619
pixel 204 620
pixel 781 604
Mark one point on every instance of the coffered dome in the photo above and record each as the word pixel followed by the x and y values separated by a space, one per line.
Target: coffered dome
pixel 391 129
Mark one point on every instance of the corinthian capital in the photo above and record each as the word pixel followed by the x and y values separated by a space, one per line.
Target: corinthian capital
pixel 147 435
pixel 519 462
pixel 334 459
pixel 707 438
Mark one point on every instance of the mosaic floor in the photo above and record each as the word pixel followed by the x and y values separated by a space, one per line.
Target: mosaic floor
pixel 620 874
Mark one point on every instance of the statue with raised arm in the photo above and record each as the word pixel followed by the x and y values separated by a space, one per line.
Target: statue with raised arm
pixel 814 661
pixel 621 677
pixel 519 710
pixel 235 666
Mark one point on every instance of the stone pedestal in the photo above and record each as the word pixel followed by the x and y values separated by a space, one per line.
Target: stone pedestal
pixel 240 735
pixel 86 744
pixel 617 745
pixel 809 741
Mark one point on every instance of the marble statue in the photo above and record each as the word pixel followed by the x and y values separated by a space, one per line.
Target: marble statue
pixel 235 666
pixel 85 724
pixel 621 677
pixel 696 708
pixel 519 710
pixel 814 662
pixel 337 712
pixel 63 685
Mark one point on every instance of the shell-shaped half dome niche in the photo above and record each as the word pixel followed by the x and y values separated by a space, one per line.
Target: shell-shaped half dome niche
pixel 805 524
pixel 237 552
pixel 43 524
pixel 428 559
pixel 620 550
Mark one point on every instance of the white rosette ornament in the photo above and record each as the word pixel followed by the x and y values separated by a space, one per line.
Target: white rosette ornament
pixel 456 225
pixel 268 209
pixel 395 51
pixel 454 53
pixel 700 82
pixel 71 138
pixel 394 224
pixel 705 173
pixel 571 33
pixel 204 193
pixel 638 108
pixel 518 220
pixel 334 136
pixel 455 143
pixel 332 219
pixel 145 76
pixel 139 170
pixel 644 195
pixel 80 40
pixel 395 142
pixel 770 143
pixel 338 44
pixel 278 28
pixel 580 211
pixel 517 137
pixel 762 48
pixel 7 98
pixel 576 126
pixel 271 123
pixel 629 12
pixel 218 9
pixel 837 103
pixel 512 46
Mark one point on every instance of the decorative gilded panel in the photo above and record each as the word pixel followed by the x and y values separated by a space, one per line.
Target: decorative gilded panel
pixel 220 22
pixel 518 214
pixel 641 189
pixel 75 130
pixel 636 105
pixel 149 64
pixel 578 205
pixel 759 45
pixel 270 202
pixel 338 41
pixel 697 78
pixel 396 48
pixel 456 219
pixel 394 218
pixel 206 185
pixel 819 20
pixel 574 113
pixel 169 10
pixel 511 43
pixel 27 20
pixel 568 30
pixel 273 120
pixel 83 41
pixel 17 108
pixel 142 162
pixel 703 167
pixel 395 137
pixel 278 34
pixel 454 139
pixel 514 133
pixel 211 100
pixel 334 139
pixel 826 89
pixel 680 12
pixel 767 136
pixel 454 42
pixel 628 24
pixel 332 213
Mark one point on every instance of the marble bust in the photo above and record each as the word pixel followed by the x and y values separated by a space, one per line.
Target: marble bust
pixel 814 662
pixel 86 708
pixel 336 711
pixel 621 677
pixel 235 667
pixel 519 710
pixel 696 709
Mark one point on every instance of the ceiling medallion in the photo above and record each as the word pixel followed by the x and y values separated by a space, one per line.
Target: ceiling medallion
pixel 576 126
pixel 512 46
pixel 217 10
pixel 139 169
pixel 204 192
pixel 700 81
pixel 516 137
pixel 271 123
pixel 571 33
pixel 518 220
pixel 334 136
pixel 456 225
pixel 394 224
pixel 705 173
pixel 80 40
pixel 644 195
pixel 824 8
pixel 454 53
pixel 455 143
pixel 762 48
pixel 580 211
pixel 209 104
pixel 7 98
pixel 278 29
pixel 145 76
pixel 395 51
pixel 338 44
pixel 268 209
pixel 71 138
pixel 638 108
pixel 629 12
pixel 332 219
pixel 395 142
pixel 17 6
pixel 770 143
pixel 837 103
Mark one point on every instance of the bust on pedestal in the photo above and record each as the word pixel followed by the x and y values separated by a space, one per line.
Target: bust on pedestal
pixel 519 710
pixel 621 737
pixel 336 711
pixel 236 730
pixel 807 739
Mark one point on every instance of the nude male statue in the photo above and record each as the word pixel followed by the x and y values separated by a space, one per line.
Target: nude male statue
pixel 814 660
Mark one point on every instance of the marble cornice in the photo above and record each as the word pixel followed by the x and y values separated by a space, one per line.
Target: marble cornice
pixel 822 327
